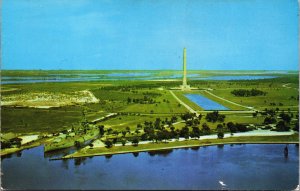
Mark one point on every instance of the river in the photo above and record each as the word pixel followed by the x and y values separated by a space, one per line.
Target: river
pixel 241 166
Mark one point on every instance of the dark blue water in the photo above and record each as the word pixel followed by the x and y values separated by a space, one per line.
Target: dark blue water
pixel 205 103
pixel 249 166
pixel 115 76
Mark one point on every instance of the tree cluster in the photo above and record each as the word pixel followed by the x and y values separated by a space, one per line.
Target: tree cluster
pixel 214 117
pixel 282 126
pixel 144 100
pixel 12 142
pixel 247 93
pixel 237 127
pixel 285 117
pixel 270 120
pixel 187 116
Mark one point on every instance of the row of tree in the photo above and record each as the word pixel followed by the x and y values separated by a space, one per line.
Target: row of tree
pixel 144 100
pixel 247 93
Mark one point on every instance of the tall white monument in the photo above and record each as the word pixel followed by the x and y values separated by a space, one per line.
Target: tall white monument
pixel 184 85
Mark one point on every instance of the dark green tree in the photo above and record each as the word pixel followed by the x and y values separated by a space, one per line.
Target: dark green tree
pixel 205 129
pixel 196 132
pixel 285 117
pixel 220 135
pixel 108 143
pixel 135 141
pixel 123 141
pixel 281 126
pixel 101 130
pixel 231 127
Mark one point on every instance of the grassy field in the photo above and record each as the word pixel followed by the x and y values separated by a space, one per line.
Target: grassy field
pixel 182 144
pixel 113 97
pixel 123 121
pixel 277 96
pixel 165 104
pixel 235 118
pixel 31 120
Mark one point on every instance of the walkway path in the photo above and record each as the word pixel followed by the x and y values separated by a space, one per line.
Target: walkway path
pixel 104 117
pixel 206 137
pixel 251 108
pixel 182 103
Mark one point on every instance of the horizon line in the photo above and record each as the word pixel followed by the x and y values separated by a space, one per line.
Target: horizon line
pixel 150 69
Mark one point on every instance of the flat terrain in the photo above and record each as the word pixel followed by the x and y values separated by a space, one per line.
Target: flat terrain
pixel 125 102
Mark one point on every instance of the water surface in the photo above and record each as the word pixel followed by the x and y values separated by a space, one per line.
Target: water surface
pixel 244 77
pixel 117 76
pixel 247 166
pixel 205 103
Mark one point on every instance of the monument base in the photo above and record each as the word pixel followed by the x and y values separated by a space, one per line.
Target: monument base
pixel 185 87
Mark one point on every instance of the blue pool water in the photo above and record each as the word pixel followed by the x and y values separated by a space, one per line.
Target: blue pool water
pixel 205 103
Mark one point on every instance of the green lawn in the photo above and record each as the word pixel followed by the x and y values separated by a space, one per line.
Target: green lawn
pixel 278 95
pixel 114 100
pixel 235 118
pixel 166 103
pixel 122 121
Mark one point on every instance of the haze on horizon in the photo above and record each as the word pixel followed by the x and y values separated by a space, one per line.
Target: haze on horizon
pixel 138 35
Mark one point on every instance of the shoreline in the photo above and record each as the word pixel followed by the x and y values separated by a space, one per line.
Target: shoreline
pixel 29 145
pixel 171 148
pixel 182 144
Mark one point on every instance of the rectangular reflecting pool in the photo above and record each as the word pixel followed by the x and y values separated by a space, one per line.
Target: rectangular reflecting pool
pixel 205 103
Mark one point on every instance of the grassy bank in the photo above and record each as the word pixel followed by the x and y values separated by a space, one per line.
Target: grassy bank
pixel 26 146
pixel 182 144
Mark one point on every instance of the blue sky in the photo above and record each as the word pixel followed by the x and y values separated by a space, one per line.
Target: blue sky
pixel 150 34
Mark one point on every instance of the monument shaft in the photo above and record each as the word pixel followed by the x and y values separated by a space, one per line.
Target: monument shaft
pixel 184 85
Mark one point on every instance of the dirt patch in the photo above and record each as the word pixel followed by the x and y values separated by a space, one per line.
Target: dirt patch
pixel 4 89
pixel 47 100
